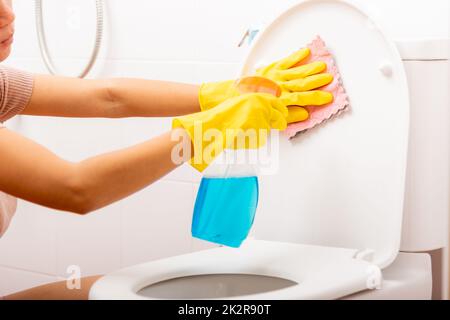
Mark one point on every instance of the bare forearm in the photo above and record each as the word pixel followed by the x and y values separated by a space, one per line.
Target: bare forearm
pixel 148 98
pixel 37 175
pixel 110 98
pixel 113 176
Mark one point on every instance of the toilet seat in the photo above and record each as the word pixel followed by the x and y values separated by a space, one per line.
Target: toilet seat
pixel 320 272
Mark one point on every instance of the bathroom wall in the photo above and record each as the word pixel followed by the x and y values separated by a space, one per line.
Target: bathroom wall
pixel 187 41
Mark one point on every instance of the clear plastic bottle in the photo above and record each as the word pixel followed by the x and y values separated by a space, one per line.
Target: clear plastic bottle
pixel 225 206
pixel 228 194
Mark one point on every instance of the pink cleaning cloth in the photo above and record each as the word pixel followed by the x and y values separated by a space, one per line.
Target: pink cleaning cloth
pixel 317 115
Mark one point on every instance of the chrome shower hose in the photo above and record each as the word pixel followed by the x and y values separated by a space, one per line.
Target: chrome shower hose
pixel 43 43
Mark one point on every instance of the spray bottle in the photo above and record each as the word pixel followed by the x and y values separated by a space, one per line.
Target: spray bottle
pixel 228 194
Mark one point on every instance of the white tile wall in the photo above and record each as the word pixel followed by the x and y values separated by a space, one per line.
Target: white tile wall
pixel 187 41
pixel 91 242
pixel 14 279
pixel 156 222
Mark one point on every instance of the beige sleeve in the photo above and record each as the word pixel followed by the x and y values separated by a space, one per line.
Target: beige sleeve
pixel 15 91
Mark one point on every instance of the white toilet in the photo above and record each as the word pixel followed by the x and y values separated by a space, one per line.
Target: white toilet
pixel 356 203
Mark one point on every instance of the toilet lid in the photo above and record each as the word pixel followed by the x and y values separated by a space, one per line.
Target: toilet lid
pixel 342 183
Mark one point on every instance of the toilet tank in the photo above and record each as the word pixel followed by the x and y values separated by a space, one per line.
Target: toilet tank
pixel 427 192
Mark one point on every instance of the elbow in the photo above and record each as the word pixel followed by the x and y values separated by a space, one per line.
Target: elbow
pixel 81 203
pixel 111 97
pixel 79 199
pixel 81 208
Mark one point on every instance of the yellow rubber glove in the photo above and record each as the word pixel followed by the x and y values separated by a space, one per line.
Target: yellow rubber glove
pixel 292 76
pixel 288 73
pixel 241 122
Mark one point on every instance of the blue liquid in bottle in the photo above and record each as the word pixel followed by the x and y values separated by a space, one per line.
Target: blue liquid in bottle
pixel 225 209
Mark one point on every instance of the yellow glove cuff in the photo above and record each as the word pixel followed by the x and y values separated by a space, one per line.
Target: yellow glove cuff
pixel 214 93
pixel 195 124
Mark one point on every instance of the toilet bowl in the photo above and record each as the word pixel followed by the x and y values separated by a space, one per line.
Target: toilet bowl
pixel 258 270
pixel 329 221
